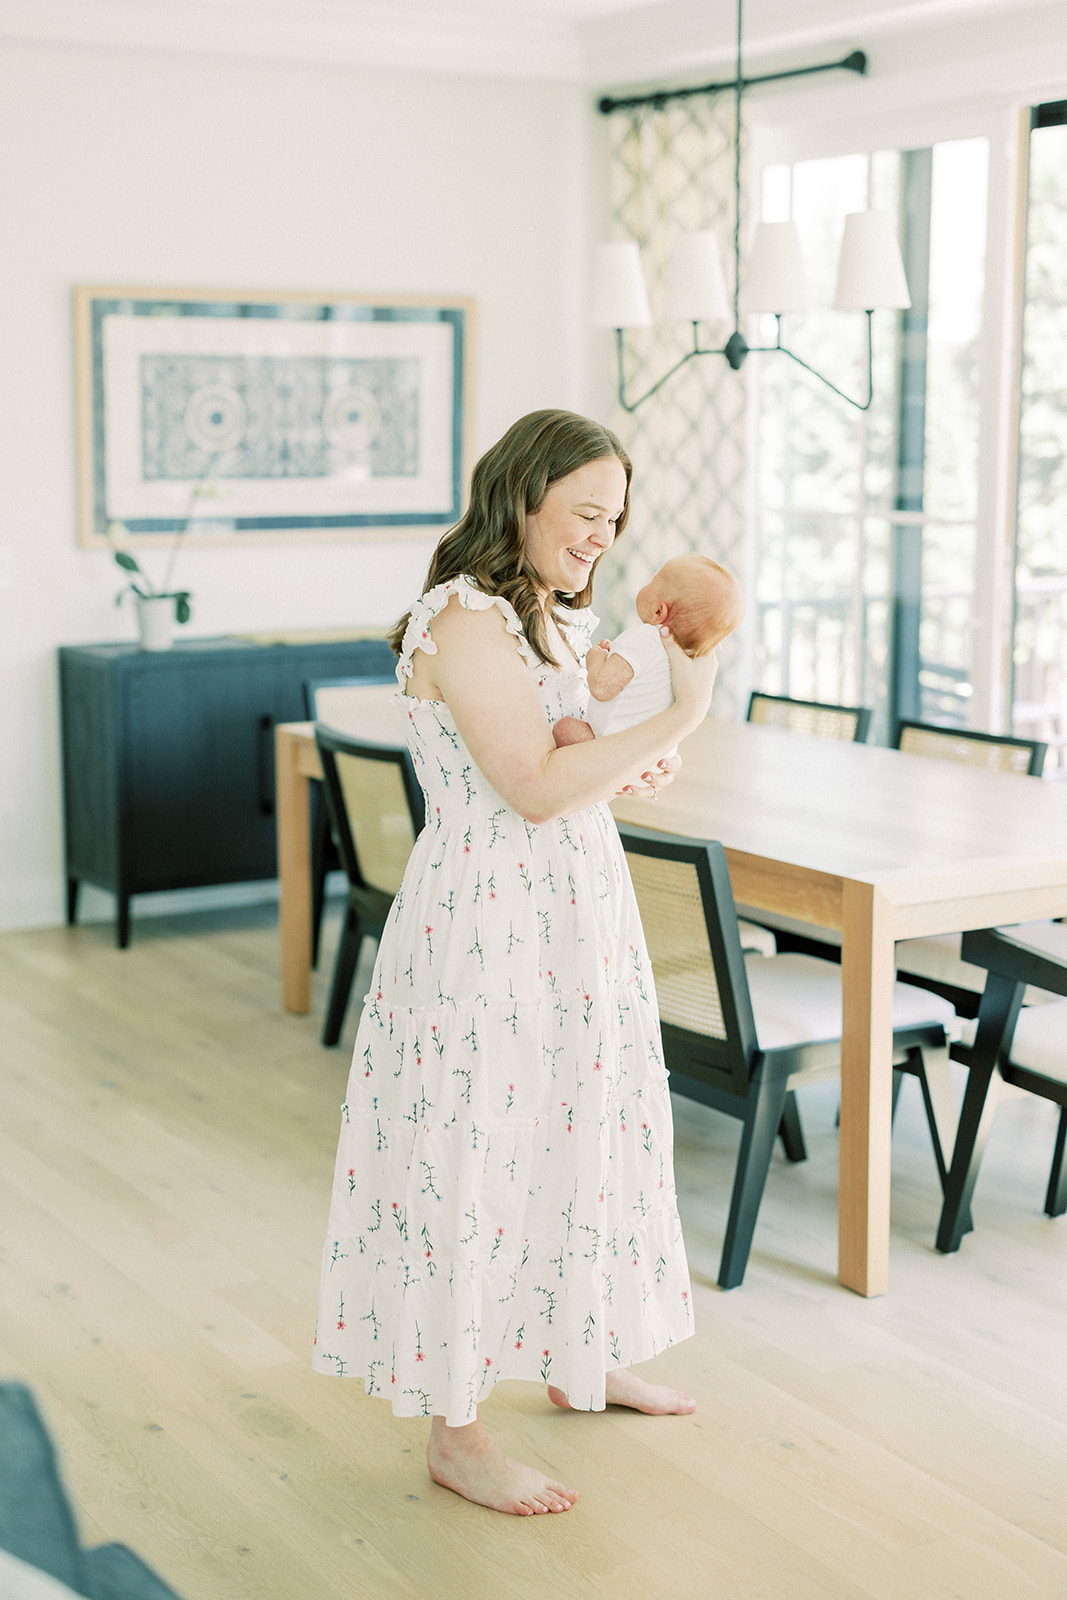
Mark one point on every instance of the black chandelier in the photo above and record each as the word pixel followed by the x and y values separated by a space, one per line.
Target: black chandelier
pixel 870 273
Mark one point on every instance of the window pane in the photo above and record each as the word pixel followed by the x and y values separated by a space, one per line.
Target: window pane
pixel 829 474
pixel 1040 654
pixel 957 281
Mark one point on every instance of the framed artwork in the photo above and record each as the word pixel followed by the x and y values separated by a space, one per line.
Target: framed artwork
pixel 247 416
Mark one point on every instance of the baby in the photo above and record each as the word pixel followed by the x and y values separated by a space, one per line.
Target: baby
pixel 630 677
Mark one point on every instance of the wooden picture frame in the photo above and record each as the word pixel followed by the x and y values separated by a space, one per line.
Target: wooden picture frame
pixel 245 415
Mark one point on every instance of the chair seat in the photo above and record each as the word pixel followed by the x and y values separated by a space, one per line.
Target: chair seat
pixel 779 922
pixel 796 999
pixel 937 957
pixel 756 940
pixel 1040 1042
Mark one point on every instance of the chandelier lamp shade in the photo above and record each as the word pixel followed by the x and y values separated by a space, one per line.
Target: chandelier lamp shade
pixel 773 281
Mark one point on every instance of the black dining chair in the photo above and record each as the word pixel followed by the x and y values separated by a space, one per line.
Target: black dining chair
pixel 1022 1045
pixel 377 810
pixel 934 961
pixel 821 720
pixel 741 1034
pixel 336 702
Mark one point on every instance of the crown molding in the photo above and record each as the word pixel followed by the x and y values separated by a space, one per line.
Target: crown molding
pixel 663 42
pixel 461 40
pixel 680 38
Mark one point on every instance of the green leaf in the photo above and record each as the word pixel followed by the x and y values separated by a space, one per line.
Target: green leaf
pixel 181 606
pixel 127 561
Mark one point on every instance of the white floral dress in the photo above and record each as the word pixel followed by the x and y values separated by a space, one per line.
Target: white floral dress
pixel 503 1204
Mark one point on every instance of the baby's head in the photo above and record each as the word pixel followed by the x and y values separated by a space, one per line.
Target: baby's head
pixel 699 600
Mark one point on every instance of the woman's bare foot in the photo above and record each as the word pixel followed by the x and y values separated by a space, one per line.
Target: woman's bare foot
pixel 468 1462
pixel 624 1388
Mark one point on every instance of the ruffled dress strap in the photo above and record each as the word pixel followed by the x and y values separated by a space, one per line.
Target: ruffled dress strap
pixel 579 628
pixel 417 634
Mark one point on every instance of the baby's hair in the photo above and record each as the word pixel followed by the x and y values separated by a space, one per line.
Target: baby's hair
pixel 704 612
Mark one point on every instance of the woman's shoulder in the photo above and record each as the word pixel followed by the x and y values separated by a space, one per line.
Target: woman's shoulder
pixel 468 599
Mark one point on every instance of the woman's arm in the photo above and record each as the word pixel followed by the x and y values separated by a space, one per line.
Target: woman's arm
pixel 489 690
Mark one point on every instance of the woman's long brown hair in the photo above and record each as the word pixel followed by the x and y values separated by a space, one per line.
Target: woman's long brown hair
pixel 488 544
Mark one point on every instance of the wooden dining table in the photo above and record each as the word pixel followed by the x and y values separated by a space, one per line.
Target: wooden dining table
pixel 877 843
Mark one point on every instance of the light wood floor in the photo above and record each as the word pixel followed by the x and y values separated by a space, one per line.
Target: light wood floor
pixel 166 1146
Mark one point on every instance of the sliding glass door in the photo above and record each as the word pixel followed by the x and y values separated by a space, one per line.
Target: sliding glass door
pixel 866 522
pixel 1039 655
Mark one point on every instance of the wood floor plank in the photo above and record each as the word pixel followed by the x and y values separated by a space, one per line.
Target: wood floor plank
pixel 166 1147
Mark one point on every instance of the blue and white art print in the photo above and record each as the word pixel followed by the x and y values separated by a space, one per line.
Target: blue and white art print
pixel 273 417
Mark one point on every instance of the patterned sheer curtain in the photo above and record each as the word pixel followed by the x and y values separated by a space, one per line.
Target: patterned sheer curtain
pixel 672 172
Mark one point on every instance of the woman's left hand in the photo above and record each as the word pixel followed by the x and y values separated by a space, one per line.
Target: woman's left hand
pixel 655 779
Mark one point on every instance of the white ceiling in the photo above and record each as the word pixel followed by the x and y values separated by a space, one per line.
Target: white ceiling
pixel 597 42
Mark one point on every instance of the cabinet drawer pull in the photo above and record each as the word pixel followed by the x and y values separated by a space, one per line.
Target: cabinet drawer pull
pixel 265 765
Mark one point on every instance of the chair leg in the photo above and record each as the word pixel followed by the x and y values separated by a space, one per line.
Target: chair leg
pixel 898 1079
pixel 790 1131
pixel 976 1119
pixel 917 1066
pixel 758 1134
pixel 320 841
pixel 1056 1198
pixel 343 973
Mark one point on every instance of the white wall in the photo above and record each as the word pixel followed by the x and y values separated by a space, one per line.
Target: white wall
pixel 177 170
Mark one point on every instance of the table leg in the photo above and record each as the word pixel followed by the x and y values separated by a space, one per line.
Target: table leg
pixel 867 971
pixel 294 874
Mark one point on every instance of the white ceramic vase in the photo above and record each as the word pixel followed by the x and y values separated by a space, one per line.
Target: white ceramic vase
pixel 155 619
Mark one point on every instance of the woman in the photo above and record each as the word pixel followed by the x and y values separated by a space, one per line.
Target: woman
pixel 503 1205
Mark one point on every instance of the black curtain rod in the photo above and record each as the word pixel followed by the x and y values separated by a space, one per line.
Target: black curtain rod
pixel 856 62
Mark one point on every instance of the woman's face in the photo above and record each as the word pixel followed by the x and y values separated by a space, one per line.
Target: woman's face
pixel 574 525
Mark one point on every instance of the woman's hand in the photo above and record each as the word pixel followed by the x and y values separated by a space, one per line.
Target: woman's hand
pixel 655 779
pixel 692 679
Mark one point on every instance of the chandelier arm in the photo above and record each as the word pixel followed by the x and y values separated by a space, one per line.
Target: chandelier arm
pixel 632 405
pixel 860 405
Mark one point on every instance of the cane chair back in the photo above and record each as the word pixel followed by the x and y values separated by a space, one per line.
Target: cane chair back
pixel 814 717
pixel 376 809
pixel 697 961
pixel 1000 752
pixel 379 815
pixel 340 703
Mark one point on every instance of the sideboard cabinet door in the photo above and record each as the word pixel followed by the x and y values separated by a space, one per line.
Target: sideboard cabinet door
pixel 168 758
